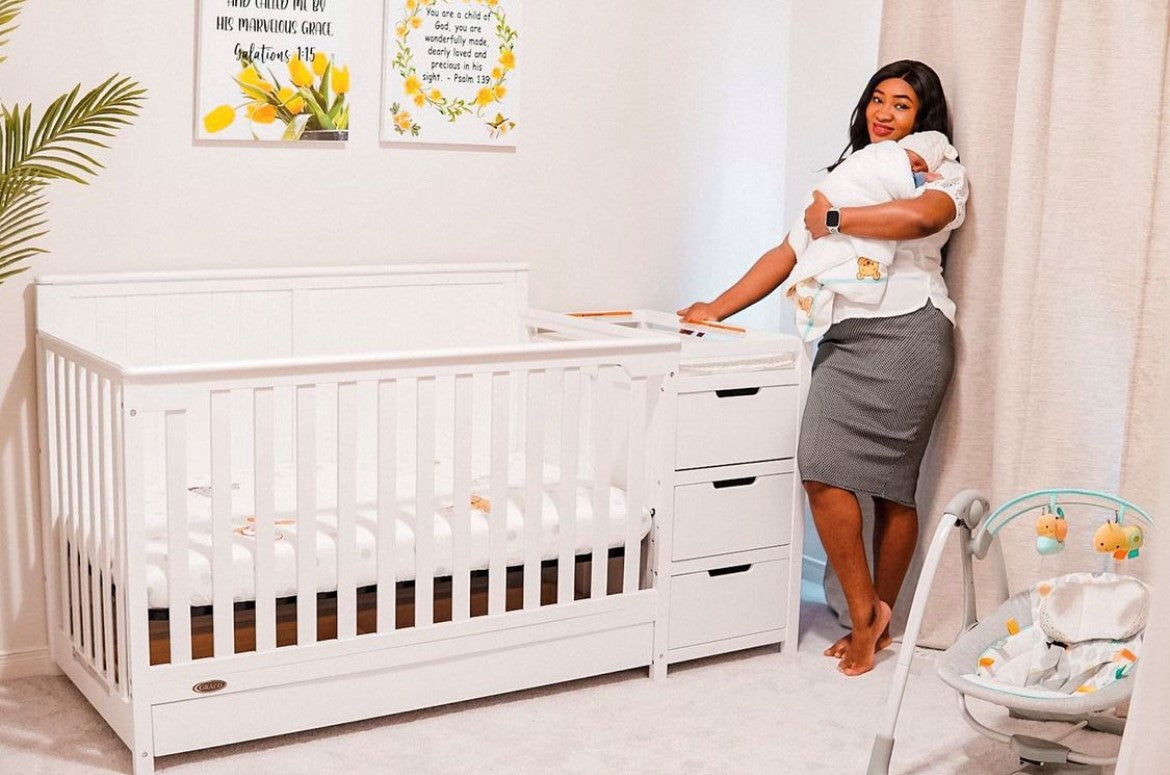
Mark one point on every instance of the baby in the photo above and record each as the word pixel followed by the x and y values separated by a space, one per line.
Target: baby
pixel 853 266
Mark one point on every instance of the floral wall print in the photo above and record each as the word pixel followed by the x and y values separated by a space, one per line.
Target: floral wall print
pixel 451 72
pixel 274 70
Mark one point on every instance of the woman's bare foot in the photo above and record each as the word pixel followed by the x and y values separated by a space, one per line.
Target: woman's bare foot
pixel 839 648
pixel 859 654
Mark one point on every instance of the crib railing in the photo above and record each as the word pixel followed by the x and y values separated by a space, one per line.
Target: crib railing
pixel 550 402
pixel 83 522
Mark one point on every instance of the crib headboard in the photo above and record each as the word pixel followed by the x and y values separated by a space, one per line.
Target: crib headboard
pixel 189 317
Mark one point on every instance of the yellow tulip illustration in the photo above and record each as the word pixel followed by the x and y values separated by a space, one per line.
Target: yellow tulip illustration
pixel 300 74
pixel 291 100
pixel 253 85
pixel 320 62
pixel 341 79
pixel 265 114
pixel 219 119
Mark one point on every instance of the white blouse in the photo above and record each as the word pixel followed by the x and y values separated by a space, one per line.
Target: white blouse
pixel 915 275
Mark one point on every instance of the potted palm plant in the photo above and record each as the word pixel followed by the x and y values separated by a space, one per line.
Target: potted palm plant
pixel 33 153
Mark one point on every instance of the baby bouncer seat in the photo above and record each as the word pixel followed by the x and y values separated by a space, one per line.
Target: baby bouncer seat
pixel 1063 650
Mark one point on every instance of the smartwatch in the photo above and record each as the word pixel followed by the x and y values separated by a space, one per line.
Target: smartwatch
pixel 833 220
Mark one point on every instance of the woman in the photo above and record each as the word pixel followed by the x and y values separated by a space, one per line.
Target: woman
pixel 881 370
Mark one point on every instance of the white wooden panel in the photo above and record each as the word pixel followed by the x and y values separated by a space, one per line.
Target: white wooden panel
pixel 727 602
pixel 636 483
pixel 603 410
pixel 264 493
pixel 387 496
pixel 223 608
pixel 264 324
pixel 424 505
pixel 306 424
pixel 141 330
pixel 534 420
pixel 739 425
pixel 346 510
pixel 567 495
pixel 461 499
pixel 498 528
pixel 178 561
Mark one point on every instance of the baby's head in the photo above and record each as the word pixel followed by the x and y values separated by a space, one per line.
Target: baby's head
pixel 927 150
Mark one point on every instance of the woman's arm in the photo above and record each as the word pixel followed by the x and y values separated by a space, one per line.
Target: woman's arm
pixel 900 219
pixel 765 276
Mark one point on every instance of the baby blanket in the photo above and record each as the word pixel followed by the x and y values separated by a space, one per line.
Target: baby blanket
pixel 854 267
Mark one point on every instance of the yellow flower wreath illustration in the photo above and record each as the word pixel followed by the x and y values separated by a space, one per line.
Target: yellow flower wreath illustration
pixel 493 92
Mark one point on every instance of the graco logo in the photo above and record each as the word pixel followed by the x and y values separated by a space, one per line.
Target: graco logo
pixel 206 687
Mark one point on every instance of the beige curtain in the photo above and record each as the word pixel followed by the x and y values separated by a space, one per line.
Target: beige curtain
pixel 1061 274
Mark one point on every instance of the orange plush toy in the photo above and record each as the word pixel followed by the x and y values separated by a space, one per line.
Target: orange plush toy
pixel 1051 530
pixel 1123 541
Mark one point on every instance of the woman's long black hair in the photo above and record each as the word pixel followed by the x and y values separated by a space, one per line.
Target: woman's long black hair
pixel 932 103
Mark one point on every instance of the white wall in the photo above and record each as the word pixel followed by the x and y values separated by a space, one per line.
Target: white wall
pixel 651 172
pixel 833 53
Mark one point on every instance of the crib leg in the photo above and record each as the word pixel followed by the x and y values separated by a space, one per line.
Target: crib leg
pixel 143 763
pixel 658 669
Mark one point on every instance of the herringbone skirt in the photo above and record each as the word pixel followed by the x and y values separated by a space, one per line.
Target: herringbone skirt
pixel 877 384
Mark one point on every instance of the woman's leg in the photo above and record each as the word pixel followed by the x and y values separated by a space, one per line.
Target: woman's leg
pixel 837 516
pixel 895 536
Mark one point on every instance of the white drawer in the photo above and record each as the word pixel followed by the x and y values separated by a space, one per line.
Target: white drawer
pixel 732 514
pixel 727 603
pixel 738 425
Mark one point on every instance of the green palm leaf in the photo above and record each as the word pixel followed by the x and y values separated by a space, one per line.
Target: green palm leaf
pixel 58 147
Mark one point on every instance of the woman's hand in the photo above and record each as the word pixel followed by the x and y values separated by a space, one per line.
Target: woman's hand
pixel 814 215
pixel 698 312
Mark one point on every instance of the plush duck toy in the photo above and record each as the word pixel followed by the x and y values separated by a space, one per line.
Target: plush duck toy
pixel 1051 530
pixel 1123 541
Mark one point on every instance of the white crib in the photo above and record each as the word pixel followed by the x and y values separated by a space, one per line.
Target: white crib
pixel 278 500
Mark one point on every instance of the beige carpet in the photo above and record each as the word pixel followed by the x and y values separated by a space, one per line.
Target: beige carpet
pixel 756 712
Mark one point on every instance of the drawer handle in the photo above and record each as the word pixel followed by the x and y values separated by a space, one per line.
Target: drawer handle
pixel 742 482
pixel 729 571
pixel 735 392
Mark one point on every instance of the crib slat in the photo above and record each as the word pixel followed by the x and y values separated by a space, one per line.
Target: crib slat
pixel 498 523
pixel 424 506
pixel 94 519
pixel 635 486
pixel 306 409
pixel 461 500
pixel 387 539
pixel 120 517
pixel 178 560
pixel 81 618
pixel 223 610
pixel 567 494
pixel 534 488
pixel 64 508
pixel 346 511
pixel 603 464
pixel 105 498
pixel 263 458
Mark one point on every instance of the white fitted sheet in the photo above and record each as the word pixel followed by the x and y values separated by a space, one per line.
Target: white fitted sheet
pixel 284 547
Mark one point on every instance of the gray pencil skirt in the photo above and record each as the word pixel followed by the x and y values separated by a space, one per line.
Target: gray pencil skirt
pixel 877 384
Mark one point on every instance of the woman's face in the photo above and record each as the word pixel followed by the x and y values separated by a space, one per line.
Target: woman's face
pixel 891 112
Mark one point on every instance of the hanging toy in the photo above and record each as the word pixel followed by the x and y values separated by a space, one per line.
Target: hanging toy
pixel 1051 530
pixel 1123 541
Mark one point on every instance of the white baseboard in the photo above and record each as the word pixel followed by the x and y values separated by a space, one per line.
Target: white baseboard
pixel 812 569
pixel 23 664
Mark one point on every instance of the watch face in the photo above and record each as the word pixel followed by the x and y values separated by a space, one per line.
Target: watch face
pixel 833 219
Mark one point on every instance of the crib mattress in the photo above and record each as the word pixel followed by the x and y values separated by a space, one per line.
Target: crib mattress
pixel 284 569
